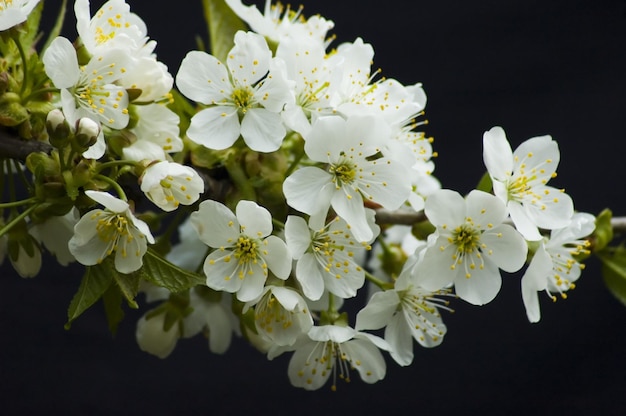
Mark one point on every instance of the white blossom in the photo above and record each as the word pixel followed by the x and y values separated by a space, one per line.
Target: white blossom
pixel 113 26
pixel 326 256
pixel 281 315
pixel 100 233
pixel 331 350
pixel 470 245
pixel 90 90
pixel 407 312
pixel 245 251
pixel 519 179
pixel 153 338
pixel 55 233
pixel 14 12
pixel 277 22
pixel 353 175
pixel 169 184
pixel 554 267
pixel 244 97
pixel 157 134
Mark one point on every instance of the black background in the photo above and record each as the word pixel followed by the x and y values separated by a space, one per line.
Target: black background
pixel 533 67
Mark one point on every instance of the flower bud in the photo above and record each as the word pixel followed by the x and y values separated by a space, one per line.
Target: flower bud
pixel 152 336
pixel 58 128
pixel 87 131
pixel 24 251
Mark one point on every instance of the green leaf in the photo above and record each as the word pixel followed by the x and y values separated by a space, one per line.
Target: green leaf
pixel 614 272
pixel 128 285
pixel 112 300
pixel 603 233
pixel 31 28
pixel 485 183
pixel 95 282
pixel 58 26
pixel 162 273
pixel 223 23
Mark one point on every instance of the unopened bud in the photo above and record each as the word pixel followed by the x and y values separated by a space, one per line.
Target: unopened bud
pixel 58 128
pixel 87 132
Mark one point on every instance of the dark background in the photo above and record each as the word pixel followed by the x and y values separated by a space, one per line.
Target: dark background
pixel 533 67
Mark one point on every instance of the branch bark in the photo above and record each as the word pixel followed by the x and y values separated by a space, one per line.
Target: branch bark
pixel 15 148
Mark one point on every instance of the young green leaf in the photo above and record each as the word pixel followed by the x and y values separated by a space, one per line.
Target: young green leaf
pixel 485 184
pixel 223 23
pixel 162 273
pixel 603 233
pixel 95 282
pixel 112 300
pixel 614 272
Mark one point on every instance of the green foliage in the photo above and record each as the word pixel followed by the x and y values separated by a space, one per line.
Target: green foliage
pixel 58 25
pixel 95 282
pixel 603 233
pixel 223 23
pixel 161 272
pixel 112 299
pixel 485 184
pixel 614 271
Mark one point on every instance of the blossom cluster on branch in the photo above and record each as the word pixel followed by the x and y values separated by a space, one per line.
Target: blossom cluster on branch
pixel 261 187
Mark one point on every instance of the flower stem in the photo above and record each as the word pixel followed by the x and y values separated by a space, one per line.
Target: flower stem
pixel 378 282
pixel 20 49
pixel 18 203
pixel 38 92
pixel 118 189
pixel 17 219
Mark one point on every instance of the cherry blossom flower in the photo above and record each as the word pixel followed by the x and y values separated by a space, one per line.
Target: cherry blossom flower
pixel 245 251
pixel 281 315
pixel 326 256
pixel 554 267
pixel 334 350
pixel 169 184
pixel 113 26
pixel 89 91
pixel 14 12
pixel 277 22
pixel 100 233
pixel 157 134
pixel 353 174
pixel 407 312
pixel 519 179
pixel 245 96
pixel 470 245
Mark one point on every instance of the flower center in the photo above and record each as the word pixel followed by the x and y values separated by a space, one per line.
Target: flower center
pixel 343 173
pixel 243 98
pixel 466 239
pixel 246 250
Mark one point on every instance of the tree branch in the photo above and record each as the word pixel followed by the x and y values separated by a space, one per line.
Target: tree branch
pixel 15 148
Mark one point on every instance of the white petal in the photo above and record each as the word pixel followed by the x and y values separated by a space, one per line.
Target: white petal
pixel 400 339
pixel 277 257
pixel 505 247
pixel 219 268
pixel 216 225
pixel 110 202
pixel 378 311
pixel 215 127
pixel 305 368
pixel 535 280
pixel 203 78
pixel 61 63
pixel 445 207
pixel 366 359
pixel 348 204
pixel 310 277
pixel 497 153
pixel 482 287
pixel 249 60
pixel 309 189
pixel 255 221
pixel 262 130
pixel 297 235
pixel 523 224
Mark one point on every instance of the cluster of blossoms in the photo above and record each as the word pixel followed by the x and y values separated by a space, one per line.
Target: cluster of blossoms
pixel 313 146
